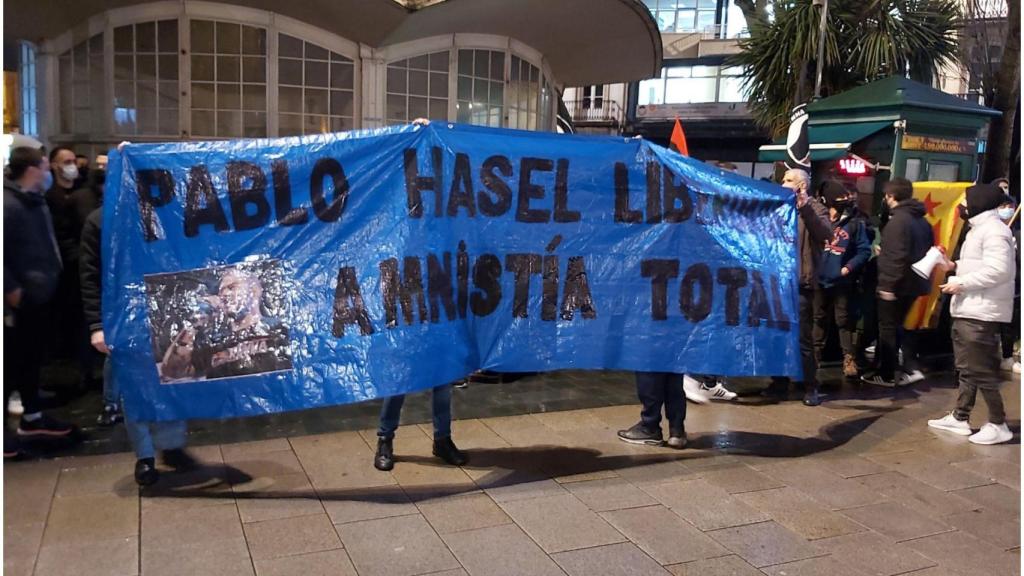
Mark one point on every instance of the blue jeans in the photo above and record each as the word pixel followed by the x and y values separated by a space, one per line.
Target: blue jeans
pixel 657 390
pixel 146 437
pixel 441 407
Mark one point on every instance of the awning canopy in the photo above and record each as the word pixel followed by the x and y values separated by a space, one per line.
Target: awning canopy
pixel 827 141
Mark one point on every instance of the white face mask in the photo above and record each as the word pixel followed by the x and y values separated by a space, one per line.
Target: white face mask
pixel 69 172
pixel 1005 214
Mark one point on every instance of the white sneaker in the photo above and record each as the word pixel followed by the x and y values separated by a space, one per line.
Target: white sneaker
pixel 951 424
pixel 699 392
pixel 1016 367
pixel 1007 364
pixel 869 352
pixel 908 378
pixel 14 406
pixel 992 434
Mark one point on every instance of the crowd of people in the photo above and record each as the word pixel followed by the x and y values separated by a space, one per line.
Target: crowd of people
pixel 856 280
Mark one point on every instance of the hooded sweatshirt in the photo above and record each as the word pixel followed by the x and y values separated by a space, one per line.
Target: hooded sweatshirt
pixel 850 248
pixel 31 257
pixel 905 240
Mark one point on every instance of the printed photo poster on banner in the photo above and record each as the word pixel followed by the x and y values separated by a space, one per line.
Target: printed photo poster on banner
pixel 219 322
pixel 258 276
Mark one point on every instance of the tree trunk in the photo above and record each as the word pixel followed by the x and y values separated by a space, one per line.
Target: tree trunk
pixel 755 12
pixel 1000 134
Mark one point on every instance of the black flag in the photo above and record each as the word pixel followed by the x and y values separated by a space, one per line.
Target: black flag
pixel 798 152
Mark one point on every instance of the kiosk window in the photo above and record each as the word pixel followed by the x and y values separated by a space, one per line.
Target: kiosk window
pixel 913 171
pixel 943 171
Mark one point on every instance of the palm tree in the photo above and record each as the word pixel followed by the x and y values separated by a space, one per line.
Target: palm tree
pixel 865 40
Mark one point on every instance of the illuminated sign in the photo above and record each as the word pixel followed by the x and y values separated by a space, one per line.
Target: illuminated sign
pixel 933 144
pixel 852 166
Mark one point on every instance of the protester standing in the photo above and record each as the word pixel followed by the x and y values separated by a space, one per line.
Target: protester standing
pixel 906 238
pixel 441 408
pixel 657 391
pixel 32 268
pixel 982 290
pixel 842 261
pixel 1011 332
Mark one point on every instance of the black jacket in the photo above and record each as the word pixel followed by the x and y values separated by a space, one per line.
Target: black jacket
pixel 813 231
pixel 91 271
pixel 66 225
pixel 905 240
pixel 31 258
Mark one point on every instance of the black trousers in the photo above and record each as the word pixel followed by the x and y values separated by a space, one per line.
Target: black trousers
pixel 834 306
pixel 974 351
pixel 1009 333
pixel 807 356
pixel 658 390
pixel 891 314
pixel 24 350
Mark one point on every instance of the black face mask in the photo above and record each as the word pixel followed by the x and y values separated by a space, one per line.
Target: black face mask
pixel 842 204
pixel 962 210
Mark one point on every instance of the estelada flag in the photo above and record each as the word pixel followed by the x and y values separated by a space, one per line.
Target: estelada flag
pixel 678 140
pixel 940 201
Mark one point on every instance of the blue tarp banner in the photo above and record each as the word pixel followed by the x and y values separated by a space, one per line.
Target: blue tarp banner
pixel 258 276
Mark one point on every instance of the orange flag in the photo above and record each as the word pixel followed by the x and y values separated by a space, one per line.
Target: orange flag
pixel 940 202
pixel 678 140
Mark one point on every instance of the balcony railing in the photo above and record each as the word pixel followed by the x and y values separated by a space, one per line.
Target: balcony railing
pixel 595 110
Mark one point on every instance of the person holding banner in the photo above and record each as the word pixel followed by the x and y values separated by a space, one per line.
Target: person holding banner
pixel 982 290
pixel 906 238
pixel 441 408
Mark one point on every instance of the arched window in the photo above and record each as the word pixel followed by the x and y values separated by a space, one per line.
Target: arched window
pixel 417 88
pixel 145 79
pixel 81 87
pixel 229 79
pixel 316 88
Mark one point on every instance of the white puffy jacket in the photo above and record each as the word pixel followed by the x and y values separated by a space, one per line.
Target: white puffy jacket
pixel 986 270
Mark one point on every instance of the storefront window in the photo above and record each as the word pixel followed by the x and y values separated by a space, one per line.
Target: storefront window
pixel 693 85
pixel 418 88
pixel 81 87
pixel 481 87
pixel 316 88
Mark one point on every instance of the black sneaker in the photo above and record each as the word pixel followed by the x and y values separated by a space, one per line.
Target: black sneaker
pixel 110 416
pixel 384 459
pixel 44 427
pixel 811 396
pixel 12 447
pixel 146 473
pixel 876 379
pixel 446 450
pixel 640 435
pixel 179 460
pixel 676 439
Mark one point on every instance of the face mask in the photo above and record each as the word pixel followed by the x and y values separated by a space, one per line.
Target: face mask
pixel 842 204
pixel 69 172
pixel 1005 214
pixel 962 210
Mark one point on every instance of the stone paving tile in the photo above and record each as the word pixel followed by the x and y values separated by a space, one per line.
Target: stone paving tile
pixel 463 512
pixel 499 551
pixel 614 560
pixel 851 466
pixel 936 571
pixel 931 471
pixel 813 567
pixel 874 554
pixel 112 479
pixel 345 472
pixel 401 546
pixel 824 485
pixel 663 535
pixel 897 521
pixel 274 463
pixel 327 563
pixel 571 420
pixel 288 536
pixel 916 495
pixel 738 479
pixel 657 473
pixel 358 504
pixel 796 511
pixel 117 557
pixel 996 497
pixel 560 523
pixel 967 555
pixel 514 486
pixel 690 499
pixel 609 494
pixel 21 546
pixel 191 526
pixel 995 528
pixel 244 449
pixel 766 544
pixel 218 558
pixel 721 566
pixel 91 518
pixel 422 480
pixel 296 497
pixel 28 491
pixel 995 469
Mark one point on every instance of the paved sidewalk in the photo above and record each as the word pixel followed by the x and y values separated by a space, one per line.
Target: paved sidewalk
pixel 857 487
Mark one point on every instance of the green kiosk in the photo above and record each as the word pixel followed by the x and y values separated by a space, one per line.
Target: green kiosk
pixel 891 128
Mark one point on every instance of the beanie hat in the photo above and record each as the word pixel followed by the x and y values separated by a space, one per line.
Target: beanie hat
pixel 832 191
pixel 984 197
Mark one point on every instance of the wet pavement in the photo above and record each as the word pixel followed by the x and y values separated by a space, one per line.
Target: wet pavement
pixel 858 486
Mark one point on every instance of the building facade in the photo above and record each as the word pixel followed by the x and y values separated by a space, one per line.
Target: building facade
pixel 695 85
pixel 93 74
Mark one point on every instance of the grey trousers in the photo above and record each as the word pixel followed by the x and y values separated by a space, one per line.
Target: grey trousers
pixel 976 352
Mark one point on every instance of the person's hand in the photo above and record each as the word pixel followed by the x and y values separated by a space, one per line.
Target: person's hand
pixel 952 287
pixel 421 122
pixel 845 271
pixel 13 298
pixel 802 199
pixel 887 296
pixel 98 342
pixel 947 265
